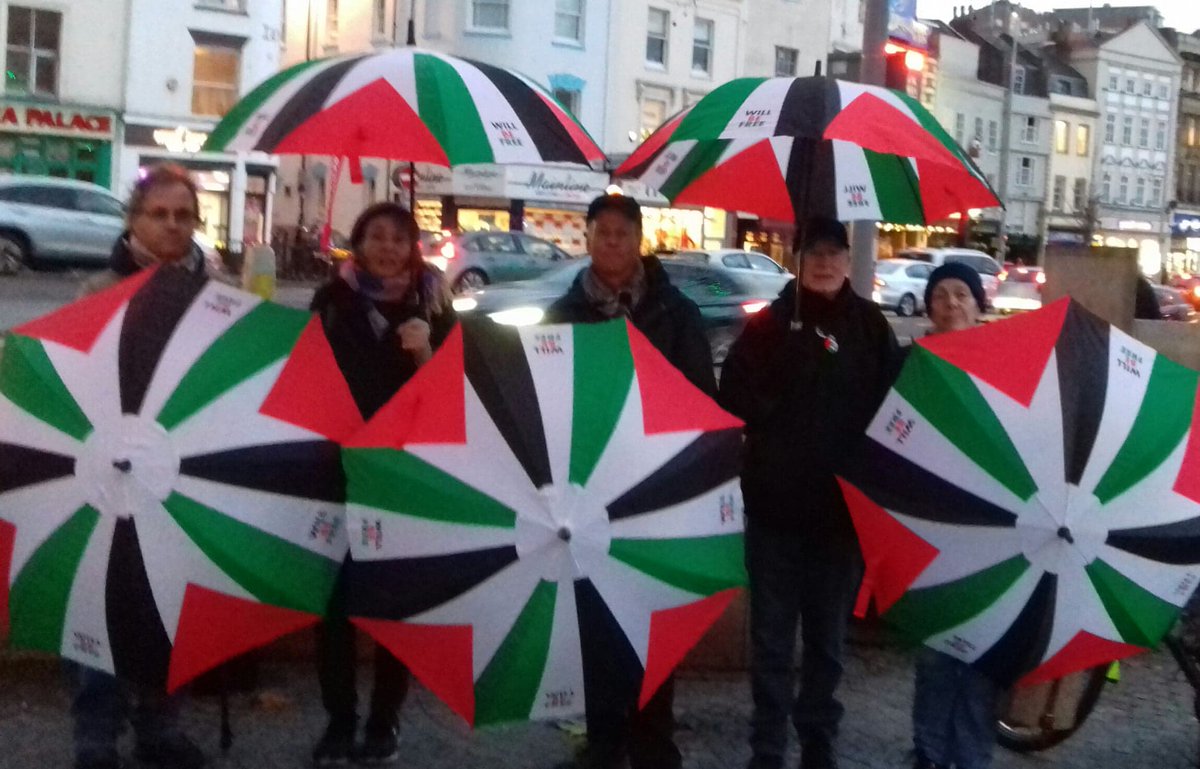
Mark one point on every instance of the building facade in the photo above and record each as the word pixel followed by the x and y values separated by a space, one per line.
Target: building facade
pixel 60 113
pixel 1185 216
pixel 1071 205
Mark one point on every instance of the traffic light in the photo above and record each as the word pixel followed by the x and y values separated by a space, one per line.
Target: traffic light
pixel 903 63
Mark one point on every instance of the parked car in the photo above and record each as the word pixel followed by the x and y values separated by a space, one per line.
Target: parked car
pixel 1189 285
pixel 988 268
pixel 725 296
pixel 900 285
pixel 473 260
pixel 759 269
pixel 1020 290
pixel 1173 304
pixel 45 219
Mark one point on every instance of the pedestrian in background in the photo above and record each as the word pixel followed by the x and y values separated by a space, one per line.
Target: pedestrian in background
pixel 621 283
pixel 806 387
pixel 163 212
pixel 954 705
pixel 384 314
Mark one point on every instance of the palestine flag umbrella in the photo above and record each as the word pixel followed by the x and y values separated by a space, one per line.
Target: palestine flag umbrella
pixel 543 516
pixel 170 489
pixel 405 104
pixel 791 148
pixel 1030 498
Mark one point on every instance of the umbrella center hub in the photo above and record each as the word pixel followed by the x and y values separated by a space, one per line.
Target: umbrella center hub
pixel 127 466
pixel 567 535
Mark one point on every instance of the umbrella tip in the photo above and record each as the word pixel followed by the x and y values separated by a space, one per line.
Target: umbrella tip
pixel 564 533
pixel 1065 533
pixel 124 465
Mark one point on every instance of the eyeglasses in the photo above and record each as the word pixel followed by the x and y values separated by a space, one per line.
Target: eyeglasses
pixel 164 215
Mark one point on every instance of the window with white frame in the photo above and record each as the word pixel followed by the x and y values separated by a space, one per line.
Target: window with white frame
pixel 1127 131
pixel 1060 193
pixel 34 39
pixel 1062 132
pixel 702 46
pixel 331 21
pixel 1018 83
pixel 489 14
pixel 1130 86
pixel 568 20
pixel 1160 136
pixel 1139 197
pixel 1025 172
pixel 1029 130
pixel 1123 190
pixel 1106 187
pixel 1079 197
pixel 1083 140
pixel 1110 128
pixel 658 23
pixel 1144 133
pixel 960 127
pixel 1156 187
pixel 569 98
pixel 1164 90
pixel 786 61
pixel 1147 88
pixel 978 135
pixel 1113 83
pixel 993 135
pixel 653 113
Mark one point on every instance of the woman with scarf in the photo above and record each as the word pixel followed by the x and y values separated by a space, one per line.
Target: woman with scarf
pixel 384 314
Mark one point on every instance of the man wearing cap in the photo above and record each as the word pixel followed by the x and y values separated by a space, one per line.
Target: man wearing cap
pixel 807 385
pixel 620 282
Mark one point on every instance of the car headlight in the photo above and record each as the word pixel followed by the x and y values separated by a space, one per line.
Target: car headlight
pixel 519 316
pixel 441 262
pixel 464 304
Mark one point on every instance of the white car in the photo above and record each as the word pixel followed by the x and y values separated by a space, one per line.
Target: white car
pixel 988 268
pixel 900 285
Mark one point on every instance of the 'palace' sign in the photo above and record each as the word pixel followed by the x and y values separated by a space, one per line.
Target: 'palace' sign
pixel 51 118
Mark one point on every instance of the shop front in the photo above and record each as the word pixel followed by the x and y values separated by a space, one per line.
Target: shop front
pixel 1144 235
pixel 1185 242
pixel 62 140
pixel 236 191
pixel 666 229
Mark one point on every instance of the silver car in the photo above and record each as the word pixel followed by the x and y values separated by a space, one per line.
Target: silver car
pixel 476 259
pixel 900 285
pixel 44 220
pixel 758 271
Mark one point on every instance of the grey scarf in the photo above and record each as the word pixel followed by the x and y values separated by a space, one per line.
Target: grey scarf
pixel 610 303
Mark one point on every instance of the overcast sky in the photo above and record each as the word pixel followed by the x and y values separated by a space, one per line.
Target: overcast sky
pixel 1181 14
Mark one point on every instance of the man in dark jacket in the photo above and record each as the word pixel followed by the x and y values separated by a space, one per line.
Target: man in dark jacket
pixel 620 282
pixel 807 384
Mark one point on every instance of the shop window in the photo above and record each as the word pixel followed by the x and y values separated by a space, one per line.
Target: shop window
pixel 215 75
pixel 34 37
pixel 786 60
pixel 658 23
pixel 84 159
pixel 702 45
pixel 490 15
pixel 568 20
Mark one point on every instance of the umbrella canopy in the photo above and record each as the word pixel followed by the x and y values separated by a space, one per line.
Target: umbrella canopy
pixel 1032 495
pixel 542 516
pixel 405 104
pixel 170 492
pixel 814 145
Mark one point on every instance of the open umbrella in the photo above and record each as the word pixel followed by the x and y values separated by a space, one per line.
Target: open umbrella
pixel 170 492
pixel 1030 497
pixel 790 148
pixel 405 104
pixel 542 516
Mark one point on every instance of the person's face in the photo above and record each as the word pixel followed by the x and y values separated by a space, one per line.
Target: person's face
pixel 952 306
pixel 385 249
pixel 614 243
pixel 165 221
pixel 826 267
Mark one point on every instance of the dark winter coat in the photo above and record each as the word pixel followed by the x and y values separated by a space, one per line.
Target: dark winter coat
pixel 375 366
pixel 807 397
pixel 669 320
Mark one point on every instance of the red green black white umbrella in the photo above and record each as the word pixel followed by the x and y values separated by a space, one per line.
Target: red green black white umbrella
pixel 170 491
pixel 1030 499
pixel 542 516
pixel 815 145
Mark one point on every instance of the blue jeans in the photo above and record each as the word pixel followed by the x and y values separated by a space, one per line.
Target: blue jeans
pixel 954 711
pixel 796 577
pixel 100 705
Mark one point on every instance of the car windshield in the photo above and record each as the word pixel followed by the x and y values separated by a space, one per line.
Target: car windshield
pixel 885 267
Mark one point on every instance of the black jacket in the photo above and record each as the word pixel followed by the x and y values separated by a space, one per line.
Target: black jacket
pixel 669 320
pixel 807 397
pixel 374 366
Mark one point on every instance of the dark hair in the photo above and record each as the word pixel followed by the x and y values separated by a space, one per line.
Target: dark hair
pixel 402 218
pixel 161 175
pixel 957 271
pixel 622 204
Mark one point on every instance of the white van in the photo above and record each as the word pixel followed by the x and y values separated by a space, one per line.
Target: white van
pixel 987 267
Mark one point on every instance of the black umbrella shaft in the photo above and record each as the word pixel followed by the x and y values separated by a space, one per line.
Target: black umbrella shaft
pixel 804 153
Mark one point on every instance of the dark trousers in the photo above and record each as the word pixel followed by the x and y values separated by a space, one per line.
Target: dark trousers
pixel 337 660
pixel 797 577
pixel 101 705
pixel 646 736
